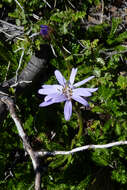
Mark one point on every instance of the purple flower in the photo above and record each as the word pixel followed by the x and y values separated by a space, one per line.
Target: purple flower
pixel 44 30
pixel 66 91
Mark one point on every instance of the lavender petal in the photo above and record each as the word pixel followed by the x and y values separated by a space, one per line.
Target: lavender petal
pixel 46 103
pixel 52 86
pixel 83 81
pixel 60 78
pixel 60 98
pixel 56 99
pixel 81 92
pixel 51 96
pixel 50 89
pixel 46 86
pixel 72 76
pixel 47 91
pixel 91 89
pixel 80 100
pixel 67 110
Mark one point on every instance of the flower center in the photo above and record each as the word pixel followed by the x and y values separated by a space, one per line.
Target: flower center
pixel 67 91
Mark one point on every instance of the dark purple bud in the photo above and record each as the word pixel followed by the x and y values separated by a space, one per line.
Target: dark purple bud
pixel 44 30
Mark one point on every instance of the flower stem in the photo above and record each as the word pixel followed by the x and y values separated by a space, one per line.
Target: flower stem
pixel 74 140
pixel 80 122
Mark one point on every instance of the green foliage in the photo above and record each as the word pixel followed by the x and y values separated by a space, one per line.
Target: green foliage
pixel 101 157
pixel 67 16
pixel 112 38
pixel 122 82
pixel 99 51
pixel 64 18
pixel 120 175
pixel 115 24
pixel 98 30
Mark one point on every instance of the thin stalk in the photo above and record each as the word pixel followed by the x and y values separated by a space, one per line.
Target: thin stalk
pixel 80 123
pixel 74 140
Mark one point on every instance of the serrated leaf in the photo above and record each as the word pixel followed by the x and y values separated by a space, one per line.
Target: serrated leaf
pixel 115 24
pixel 28 122
pixel 58 161
pixel 122 82
pixel 101 157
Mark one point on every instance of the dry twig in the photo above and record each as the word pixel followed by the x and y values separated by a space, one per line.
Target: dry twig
pixel 26 144
pixel 36 155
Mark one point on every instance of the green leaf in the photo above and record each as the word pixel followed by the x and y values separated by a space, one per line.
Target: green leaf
pixel 120 174
pixel 112 38
pixel 115 24
pixel 101 157
pixel 122 82
pixel 67 16
pixel 118 129
pixel 58 161
pixel 121 37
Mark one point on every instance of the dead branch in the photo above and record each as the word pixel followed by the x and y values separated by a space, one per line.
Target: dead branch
pixel 30 75
pixel 26 144
pixel 36 155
